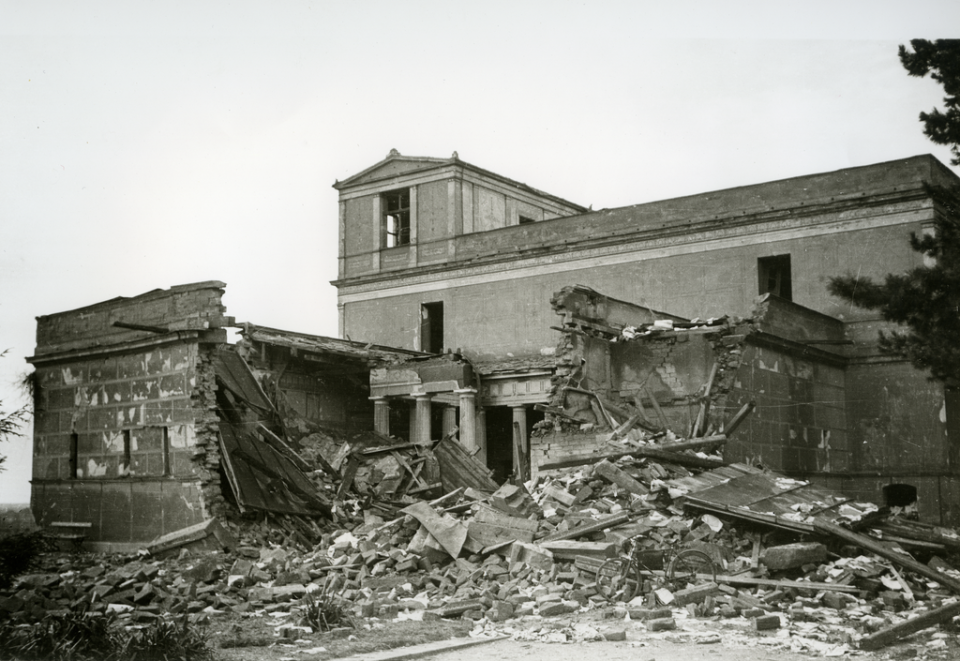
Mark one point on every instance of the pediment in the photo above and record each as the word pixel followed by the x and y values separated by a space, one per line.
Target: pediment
pixel 394 165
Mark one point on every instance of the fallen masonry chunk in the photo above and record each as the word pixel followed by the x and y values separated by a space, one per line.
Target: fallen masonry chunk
pixel 790 556
pixel 695 594
pixel 644 614
pixel 663 624
pixel 616 635
pixel 615 475
pixel 559 608
pixel 767 622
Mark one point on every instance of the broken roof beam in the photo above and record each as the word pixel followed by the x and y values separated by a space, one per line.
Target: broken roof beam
pixel 892 634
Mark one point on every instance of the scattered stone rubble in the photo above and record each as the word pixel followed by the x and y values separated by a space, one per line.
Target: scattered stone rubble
pixel 522 561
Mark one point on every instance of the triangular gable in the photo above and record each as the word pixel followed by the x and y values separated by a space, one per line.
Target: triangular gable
pixel 392 166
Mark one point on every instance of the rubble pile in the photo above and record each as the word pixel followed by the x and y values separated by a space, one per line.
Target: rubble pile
pixel 514 557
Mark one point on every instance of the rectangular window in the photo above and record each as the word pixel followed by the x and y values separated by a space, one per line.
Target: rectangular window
pixel 431 327
pixel 774 276
pixel 396 217
pixel 165 450
pixel 125 459
pixel 74 447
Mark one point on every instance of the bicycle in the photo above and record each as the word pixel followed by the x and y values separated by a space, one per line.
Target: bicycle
pixel 621 578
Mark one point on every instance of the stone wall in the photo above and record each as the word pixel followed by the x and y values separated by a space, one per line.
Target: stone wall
pixel 125 433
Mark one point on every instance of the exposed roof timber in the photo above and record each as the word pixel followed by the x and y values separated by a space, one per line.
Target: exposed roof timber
pixel 319 344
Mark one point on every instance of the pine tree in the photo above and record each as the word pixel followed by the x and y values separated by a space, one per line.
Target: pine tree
pixel 941 59
pixel 926 299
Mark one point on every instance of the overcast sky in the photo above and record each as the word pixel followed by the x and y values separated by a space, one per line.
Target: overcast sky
pixel 145 145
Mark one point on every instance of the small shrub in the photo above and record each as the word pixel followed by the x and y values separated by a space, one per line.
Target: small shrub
pixel 73 635
pixel 17 554
pixel 82 635
pixel 165 640
pixel 323 610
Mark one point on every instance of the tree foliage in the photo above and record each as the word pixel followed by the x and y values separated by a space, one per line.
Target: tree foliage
pixel 926 299
pixel 941 59
pixel 10 422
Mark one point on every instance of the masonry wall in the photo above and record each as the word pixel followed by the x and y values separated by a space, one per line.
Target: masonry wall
pixel 799 423
pixel 101 388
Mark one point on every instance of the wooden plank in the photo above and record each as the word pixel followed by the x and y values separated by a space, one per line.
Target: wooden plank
pixel 892 634
pixel 586 529
pixel 874 546
pixel 740 416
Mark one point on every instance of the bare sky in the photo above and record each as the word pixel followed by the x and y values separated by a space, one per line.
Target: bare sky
pixel 144 145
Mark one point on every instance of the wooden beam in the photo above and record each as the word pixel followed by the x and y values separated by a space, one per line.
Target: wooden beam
pixel 892 634
pixel 905 561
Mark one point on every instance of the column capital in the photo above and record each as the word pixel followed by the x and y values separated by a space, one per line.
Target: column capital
pixel 421 395
pixel 466 391
pixel 378 398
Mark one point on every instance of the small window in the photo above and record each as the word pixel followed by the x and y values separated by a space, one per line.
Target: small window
pixel 774 275
pixel 431 327
pixel 165 449
pixel 124 468
pixel 524 220
pixel 396 217
pixel 74 446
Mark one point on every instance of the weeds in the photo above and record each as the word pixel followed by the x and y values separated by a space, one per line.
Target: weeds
pixel 166 640
pixel 17 553
pixel 322 610
pixel 82 635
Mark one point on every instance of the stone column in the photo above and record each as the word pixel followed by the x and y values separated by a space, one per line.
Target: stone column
pixel 519 427
pixel 422 414
pixel 381 415
pixel 468 418
pixel 449 419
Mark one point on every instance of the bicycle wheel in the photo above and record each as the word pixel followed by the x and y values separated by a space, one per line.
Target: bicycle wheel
pixel 617 580
pixel 687 564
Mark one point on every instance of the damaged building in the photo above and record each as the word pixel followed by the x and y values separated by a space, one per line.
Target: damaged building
pixel 499 332
pixel 438 254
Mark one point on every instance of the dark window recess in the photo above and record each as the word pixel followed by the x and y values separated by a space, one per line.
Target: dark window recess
pixel 524 220
pixel 125 460
pixel 431 327
pixel 396 217
pixel 900 495
pixel 774 275
pixel 74 445
pixel 165 448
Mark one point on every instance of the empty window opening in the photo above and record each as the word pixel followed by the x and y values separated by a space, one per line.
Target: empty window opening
pixel 431 327
pixel 900 495
pixel 396 217
pixel 165 450
pixel 74 446
pixel 525 219
pixel 124 468
pixel 774 275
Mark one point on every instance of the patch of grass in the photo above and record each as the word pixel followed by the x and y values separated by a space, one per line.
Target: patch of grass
pixel 391 635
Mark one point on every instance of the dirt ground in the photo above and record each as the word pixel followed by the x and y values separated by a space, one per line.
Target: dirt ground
pixel 715 640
